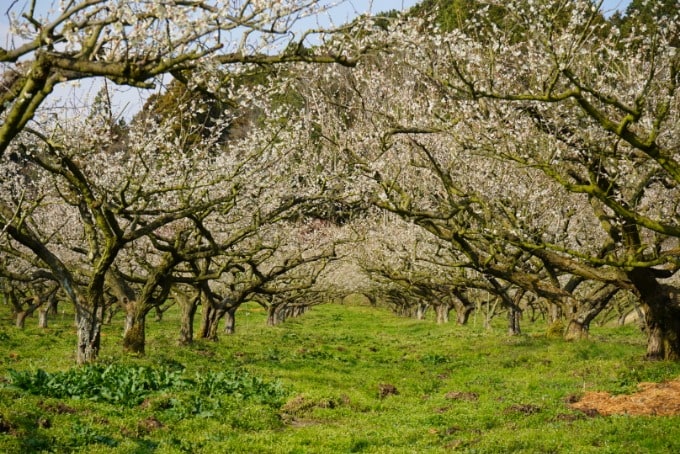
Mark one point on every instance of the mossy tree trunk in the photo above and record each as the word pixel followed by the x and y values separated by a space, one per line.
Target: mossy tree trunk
pixel 274 316
pixel 213 327
pixel 134 338
pixel 420 310
pixel 577 329
pixel 586 311
pixel 442 311
pixel 42 317
pixel 230 320
pixel 88 327
pixel 188 307
pixel 462 305
pixel 514 311
pixel 662 311
pixel 514 316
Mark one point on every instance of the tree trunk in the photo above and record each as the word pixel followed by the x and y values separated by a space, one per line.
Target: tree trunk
pixel 555 312
pixel 663 324
pixel 662 311
pixel 230 321
pixel 33 303
pixel 42 317
pixel 420 311
pixel 463 315
pixel 53 306
pixel 576 330
pixel 21 319
pixel 587 310
pixel 88 326
pixel 129 320
pixel 206 316
pixel 514 312
pixel 134 339
pixel 490 312
pixel 134 329
pixel 213 324
pixel 442 311
pixel 636 315
pixel 462 305
pixel 188 309
pixel 513 321
pixel 298 310
pixel 108 314
pixel 273 316
pixel 579 323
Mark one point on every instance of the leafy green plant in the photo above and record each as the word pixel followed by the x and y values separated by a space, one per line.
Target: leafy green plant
pixel 240 384
pixel 129 385
pixel 83 435
pixel 114 383
pixel 433 359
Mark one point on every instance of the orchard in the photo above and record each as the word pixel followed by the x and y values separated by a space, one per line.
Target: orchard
pixel 516 159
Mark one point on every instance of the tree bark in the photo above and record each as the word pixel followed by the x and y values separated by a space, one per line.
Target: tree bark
pixel 88 326
pixel 420 311
pixel 298 310
pixel 579 323
pixel 463 315
pixel 206 315
pixel 490 312
pixel 21 319
pixel 273 316
pixel 42 317
pixel 513 321
pixel 576 330
pixel 662 311
pixel 52 305
pixel 514 312
pixel 109 313
pixel 462 305
pixel 22 314
pixel 213 324
pixel 230 320
pixel 555 312
pixel 134 339
pixel 188 309
pixel 442 311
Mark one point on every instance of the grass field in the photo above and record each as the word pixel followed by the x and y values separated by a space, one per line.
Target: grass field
pixel 342 378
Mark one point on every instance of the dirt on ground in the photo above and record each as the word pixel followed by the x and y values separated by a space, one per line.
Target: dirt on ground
pixel 653 399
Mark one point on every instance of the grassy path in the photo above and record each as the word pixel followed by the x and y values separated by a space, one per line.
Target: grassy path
pixel 358 379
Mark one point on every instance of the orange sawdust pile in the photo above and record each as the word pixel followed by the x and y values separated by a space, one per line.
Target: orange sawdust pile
pixel 655 399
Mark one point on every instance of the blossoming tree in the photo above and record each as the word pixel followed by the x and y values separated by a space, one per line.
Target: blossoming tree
pixel 538 143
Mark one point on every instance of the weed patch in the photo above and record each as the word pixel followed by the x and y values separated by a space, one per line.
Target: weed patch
pixel 130 385
pixel 118 384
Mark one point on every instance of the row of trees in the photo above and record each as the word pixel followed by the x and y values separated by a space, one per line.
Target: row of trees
pixel 535 142
pixel 184 205
pixel 525 150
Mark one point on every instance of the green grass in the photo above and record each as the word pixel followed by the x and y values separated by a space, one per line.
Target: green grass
pixel 457 388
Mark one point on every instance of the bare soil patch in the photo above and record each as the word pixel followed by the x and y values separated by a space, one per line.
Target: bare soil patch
pixel 461 395
pixel 386 389
pixel 652 399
